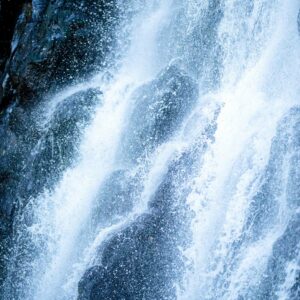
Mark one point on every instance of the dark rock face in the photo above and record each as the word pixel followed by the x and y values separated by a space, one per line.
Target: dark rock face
pixel 160 107
pixel 202 56
pixel 9 12
pixel 115 198
pixel 265 207
pixel 56 42
pixel 34 157
pixel 286 154
pixel 52 146
pixel 144 260
pixel 58 142
pixel 285 249
pixel 45 45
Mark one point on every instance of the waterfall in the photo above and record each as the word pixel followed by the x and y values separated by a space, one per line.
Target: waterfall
pixel 173 172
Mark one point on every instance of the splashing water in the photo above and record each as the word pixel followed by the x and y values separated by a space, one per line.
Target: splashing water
pixel 191 152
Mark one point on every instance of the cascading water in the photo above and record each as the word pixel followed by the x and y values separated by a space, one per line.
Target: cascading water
pixel 173 174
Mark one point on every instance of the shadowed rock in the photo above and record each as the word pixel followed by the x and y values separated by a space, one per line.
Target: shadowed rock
pixel 144 260
pixel 159 109
pixel 115 198
pixel 33 158
pixel 55 43
pixel 285 155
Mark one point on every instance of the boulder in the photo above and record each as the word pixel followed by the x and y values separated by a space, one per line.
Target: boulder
pixel 115 198
pixel 55 43
pixel 159 109
pixel 144 260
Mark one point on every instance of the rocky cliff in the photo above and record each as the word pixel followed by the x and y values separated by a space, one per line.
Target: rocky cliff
pixel 45 45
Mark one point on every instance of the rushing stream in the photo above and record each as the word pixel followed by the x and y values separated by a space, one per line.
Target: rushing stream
pixel 173 173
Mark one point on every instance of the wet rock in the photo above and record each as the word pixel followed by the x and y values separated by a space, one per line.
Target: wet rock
pixel 45 45
pixel 10 168
pixel 280 183
pixel 115 198
pixel 93 276
pixel 137 263
pixel 144 260
pixel 57 146
pixel 285 152
pixel 9 12
pixel 203 55
pixel 285 251
pixel 160 107
pixel 32 158
pixel 55 43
